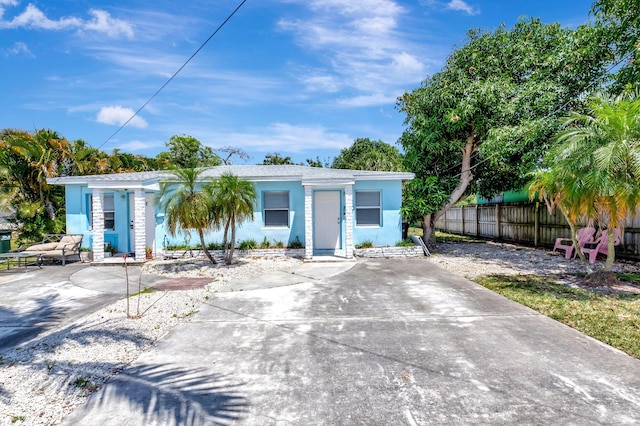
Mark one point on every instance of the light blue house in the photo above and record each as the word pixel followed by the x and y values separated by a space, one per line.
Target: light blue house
pixel 328 210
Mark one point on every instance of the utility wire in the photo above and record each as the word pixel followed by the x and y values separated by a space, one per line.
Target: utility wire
pixel 175 74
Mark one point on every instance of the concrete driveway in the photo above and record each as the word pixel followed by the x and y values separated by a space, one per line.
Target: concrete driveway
pixel 389 342
pixel 39 300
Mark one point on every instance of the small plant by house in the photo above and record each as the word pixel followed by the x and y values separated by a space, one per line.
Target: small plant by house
pixel 249 244
pixel 265 244
pixel 296 243
pixel 405 243
pixel 365 244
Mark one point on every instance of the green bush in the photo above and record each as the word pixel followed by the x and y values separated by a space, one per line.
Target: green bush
pixel 279 244
pixel 405 243
pixel 249 244
pixel 215 246
pixel 365 244
pixel 296 244
pixel 265 244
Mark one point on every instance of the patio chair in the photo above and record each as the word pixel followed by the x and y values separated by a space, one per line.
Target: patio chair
pixel 601 245
pixel 584 236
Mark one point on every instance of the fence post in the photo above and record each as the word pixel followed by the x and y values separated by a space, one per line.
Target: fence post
pixel 477 221
pixel 462 213
pixel 536 225
pixel 499 227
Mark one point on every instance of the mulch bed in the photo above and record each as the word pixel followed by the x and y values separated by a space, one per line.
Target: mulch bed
pixel 182 283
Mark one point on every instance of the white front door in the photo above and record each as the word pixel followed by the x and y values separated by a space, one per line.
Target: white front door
pixel 326 220
pixel 132 231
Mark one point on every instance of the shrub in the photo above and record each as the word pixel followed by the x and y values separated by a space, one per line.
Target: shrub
pixel 405 243
pixel 265 244
pixel 249 244
pixel 280 244
pixel 215 246
pixel 296 244
pixel 365 244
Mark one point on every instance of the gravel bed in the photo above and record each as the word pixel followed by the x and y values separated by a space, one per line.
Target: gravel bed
pixel 473 260
pixel 43 381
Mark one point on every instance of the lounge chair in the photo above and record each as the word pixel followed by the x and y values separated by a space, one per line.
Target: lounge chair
pixel 584 236
pixel 601 245
pixel 57 246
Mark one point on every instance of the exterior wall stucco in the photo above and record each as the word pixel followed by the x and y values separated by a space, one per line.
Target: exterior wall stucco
pixel 391 230
pixel 78 210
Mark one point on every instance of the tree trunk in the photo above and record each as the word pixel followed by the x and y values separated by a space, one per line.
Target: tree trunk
pixel 574 240
pixel 204 247
pixel 225 236
pixel 466 177
pixel 232 246
pixel 428 234
pixel 611 250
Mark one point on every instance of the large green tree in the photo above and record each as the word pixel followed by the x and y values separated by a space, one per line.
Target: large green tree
pixel 187 152
pixel 277 159
pixel 26 161
pixel 188 206
pixel 620 19
pixel 365 154
pixel 488 115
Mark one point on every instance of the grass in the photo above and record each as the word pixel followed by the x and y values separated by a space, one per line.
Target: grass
pixel 145 291
pixel 611 318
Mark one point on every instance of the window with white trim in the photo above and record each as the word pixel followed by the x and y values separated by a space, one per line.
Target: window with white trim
pixel 108 209
pixel 368 208
pixel 276 208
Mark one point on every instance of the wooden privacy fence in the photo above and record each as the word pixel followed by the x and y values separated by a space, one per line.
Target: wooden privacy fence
pixel 525 223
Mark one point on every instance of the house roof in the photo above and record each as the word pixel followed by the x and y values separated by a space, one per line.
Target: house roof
pixel 305 174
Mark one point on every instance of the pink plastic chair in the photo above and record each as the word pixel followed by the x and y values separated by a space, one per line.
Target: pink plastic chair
pixel 584 236
pixel 601 245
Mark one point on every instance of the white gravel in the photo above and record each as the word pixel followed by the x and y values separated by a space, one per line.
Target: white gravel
pixel 43 381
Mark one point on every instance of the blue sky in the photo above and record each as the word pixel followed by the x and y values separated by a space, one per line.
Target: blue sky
pixel 300 77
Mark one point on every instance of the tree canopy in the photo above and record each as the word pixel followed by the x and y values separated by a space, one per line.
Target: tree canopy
pixel 488 115
pixel 365 154
pixel 277 159
pixel 187 152
pixel 620 19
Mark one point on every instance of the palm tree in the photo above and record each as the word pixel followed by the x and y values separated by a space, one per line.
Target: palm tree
pixel 185 207
pixel 234 199
pixel 559 190
pixel 601 150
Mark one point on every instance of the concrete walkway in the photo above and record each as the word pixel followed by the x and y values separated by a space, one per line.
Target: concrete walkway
pixel 388 342
pixel 43 299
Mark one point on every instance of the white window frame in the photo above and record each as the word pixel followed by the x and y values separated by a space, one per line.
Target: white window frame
pixel 359 208
pixel 108 215
pixel 274 209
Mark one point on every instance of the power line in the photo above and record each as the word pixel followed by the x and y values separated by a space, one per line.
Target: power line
pixel 175 74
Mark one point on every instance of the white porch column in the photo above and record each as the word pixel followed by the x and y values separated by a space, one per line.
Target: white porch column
pixel 308 222
pixel 97 221
pixel 348 221
pixel 139 224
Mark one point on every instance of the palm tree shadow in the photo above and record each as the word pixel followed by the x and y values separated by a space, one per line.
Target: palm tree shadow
pixel 27 325
pixel 158 394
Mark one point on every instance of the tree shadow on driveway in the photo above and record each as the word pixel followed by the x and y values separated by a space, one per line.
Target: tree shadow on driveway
pixel 160 394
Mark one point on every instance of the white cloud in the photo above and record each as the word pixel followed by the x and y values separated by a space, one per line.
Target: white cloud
pixel 285 137
pixel 18 48
pixel 102 22
pixel 368 50
pixel 118 115
pixel 462 6
pixel 32 17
